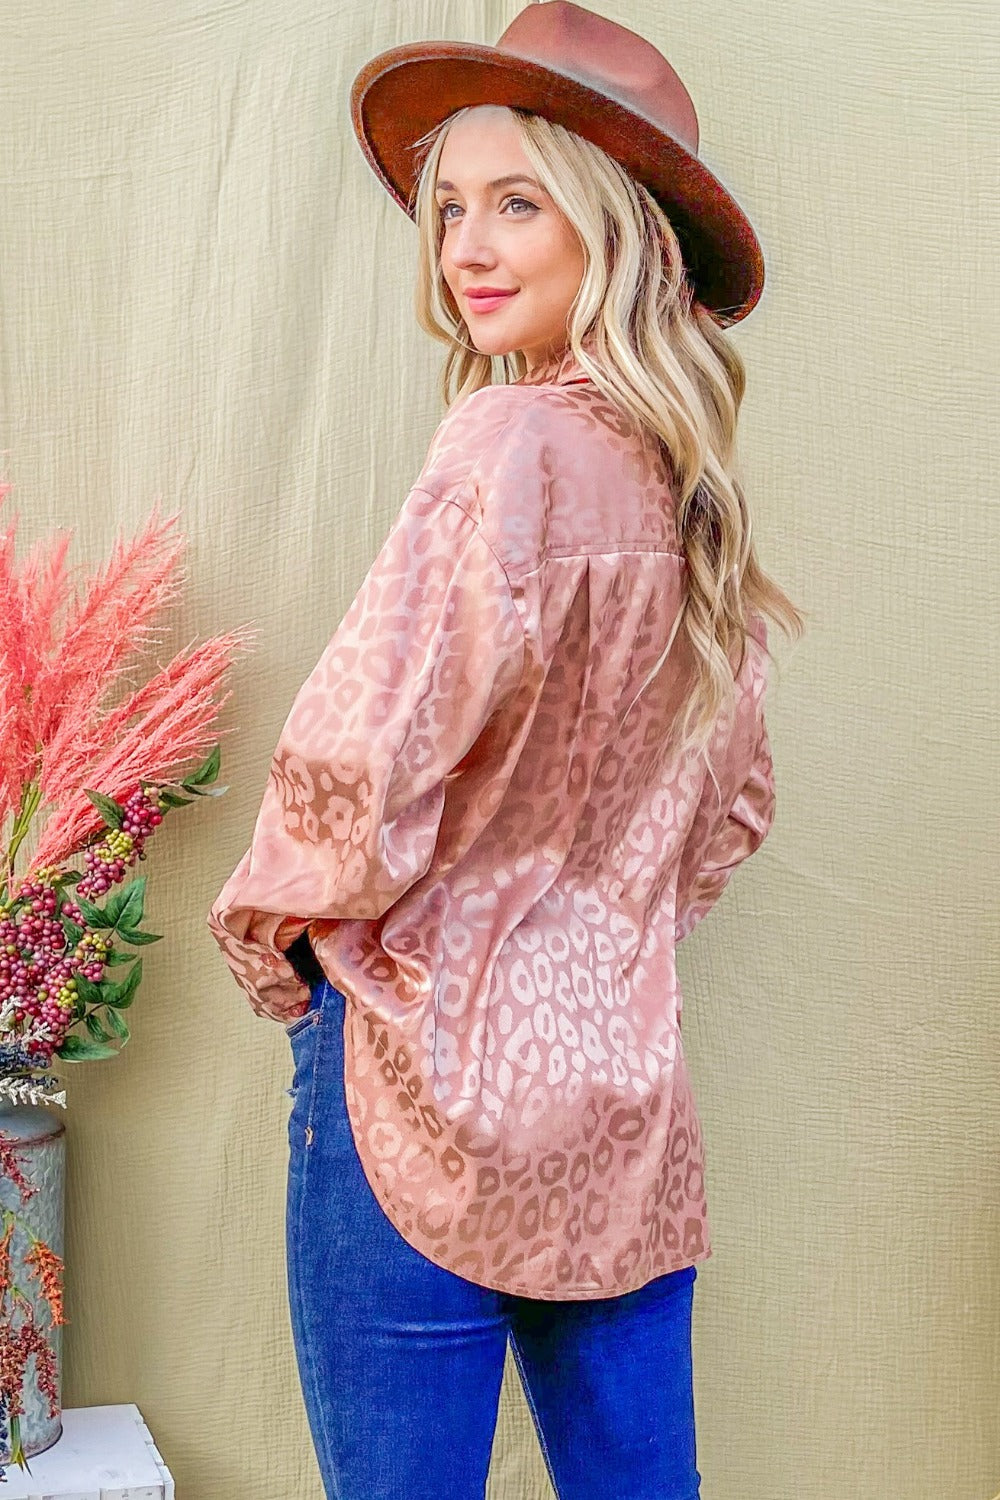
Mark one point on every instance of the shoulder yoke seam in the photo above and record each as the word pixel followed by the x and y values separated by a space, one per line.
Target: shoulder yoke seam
pixel 478 530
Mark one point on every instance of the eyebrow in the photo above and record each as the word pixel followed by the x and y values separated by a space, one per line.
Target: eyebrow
pixel 449 187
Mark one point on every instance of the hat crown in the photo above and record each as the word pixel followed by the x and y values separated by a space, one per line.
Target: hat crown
pixel 607 56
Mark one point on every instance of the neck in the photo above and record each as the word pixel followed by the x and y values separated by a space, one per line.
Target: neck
pixel 549 364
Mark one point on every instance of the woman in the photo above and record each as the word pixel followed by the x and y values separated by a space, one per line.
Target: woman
pixel 523 769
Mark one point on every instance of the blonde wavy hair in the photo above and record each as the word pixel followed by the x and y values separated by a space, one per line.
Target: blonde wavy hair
pixel 650 346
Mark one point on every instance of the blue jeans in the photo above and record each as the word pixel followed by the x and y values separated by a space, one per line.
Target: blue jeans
pixel 401 1360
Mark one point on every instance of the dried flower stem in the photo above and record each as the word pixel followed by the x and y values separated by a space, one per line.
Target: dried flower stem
pixel 31 796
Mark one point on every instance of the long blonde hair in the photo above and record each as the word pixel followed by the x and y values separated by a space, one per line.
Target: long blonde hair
pixel 650 346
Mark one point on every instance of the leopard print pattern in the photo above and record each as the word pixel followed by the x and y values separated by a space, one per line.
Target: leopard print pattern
pixel 520 1220
pixel 477 811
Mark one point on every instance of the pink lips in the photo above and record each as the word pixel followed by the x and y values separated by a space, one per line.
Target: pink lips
pixel 488 303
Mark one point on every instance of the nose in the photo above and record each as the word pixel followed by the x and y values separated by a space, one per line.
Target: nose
pixel 468 241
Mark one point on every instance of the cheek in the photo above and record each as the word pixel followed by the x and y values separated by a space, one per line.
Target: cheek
pixel 565 264
pixel 448 277
pixel 574 262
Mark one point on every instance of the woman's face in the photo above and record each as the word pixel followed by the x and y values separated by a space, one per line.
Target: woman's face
pixel 508 236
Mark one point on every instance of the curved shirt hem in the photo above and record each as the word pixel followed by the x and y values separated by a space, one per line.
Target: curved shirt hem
pixel 427 1247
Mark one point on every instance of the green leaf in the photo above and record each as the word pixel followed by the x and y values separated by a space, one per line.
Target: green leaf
pixel 95 1028
pixel 92 915
pixel 113 905
pixel 118 1026
pixel 174 799
pixel 122 995
pixel 81 1049
pixel 70 877
pixel 207 791
pixel 110 811
pixel 117 957
pixel 133 935
pixel 130 912
pixel 89 992
pixel 72 931
pixel 207 771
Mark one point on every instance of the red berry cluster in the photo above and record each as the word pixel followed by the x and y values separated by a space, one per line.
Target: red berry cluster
pixel 39 962
pixel 109 859
pixel 37 987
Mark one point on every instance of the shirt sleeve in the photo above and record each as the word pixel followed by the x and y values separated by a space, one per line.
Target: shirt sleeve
pixel 741 831
pixel 430 648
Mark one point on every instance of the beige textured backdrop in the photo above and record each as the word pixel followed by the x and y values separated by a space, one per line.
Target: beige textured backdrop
pixel 205 295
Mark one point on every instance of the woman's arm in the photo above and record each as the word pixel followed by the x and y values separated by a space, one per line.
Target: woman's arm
pixel 741 831
pixel 428 650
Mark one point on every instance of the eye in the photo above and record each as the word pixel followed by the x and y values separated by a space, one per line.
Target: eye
pixel 445 217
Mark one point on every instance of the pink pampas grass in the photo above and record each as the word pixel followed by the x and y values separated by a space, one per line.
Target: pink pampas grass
pixel 63 656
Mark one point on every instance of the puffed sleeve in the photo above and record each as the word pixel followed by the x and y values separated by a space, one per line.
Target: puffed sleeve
pixel 741 830
pixel 429 649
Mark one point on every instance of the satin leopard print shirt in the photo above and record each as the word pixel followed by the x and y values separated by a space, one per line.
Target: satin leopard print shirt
pixel 471 810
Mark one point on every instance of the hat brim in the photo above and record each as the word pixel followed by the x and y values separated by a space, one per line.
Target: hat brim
pixel 402 93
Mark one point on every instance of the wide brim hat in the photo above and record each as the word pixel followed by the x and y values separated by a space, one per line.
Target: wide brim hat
pixel 597 78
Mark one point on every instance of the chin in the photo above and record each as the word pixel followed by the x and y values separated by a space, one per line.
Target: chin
pixel 495 346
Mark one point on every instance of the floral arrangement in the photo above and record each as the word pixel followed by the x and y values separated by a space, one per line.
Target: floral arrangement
pixel 93 782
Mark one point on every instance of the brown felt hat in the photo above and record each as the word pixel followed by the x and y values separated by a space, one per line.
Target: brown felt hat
pixel 595 77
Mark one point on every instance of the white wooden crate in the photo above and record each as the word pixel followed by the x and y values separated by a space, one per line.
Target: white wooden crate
pixel 103 1453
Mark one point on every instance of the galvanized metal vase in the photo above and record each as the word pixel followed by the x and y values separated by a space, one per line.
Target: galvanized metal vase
pixel 38 1138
